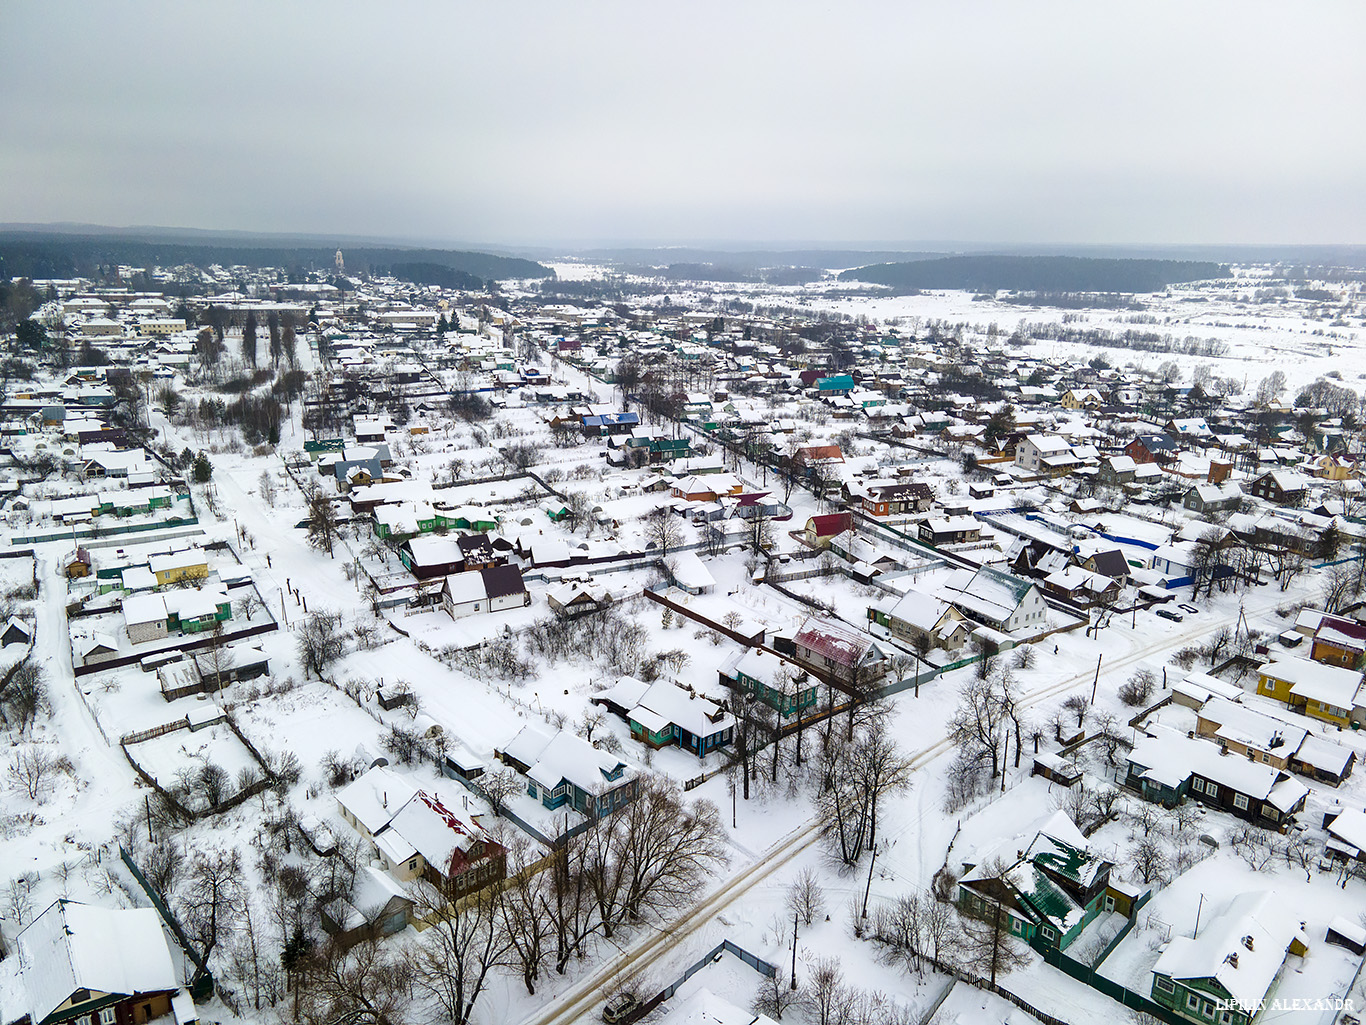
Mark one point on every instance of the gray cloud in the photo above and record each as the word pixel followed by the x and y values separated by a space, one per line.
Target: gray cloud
pixel 527 122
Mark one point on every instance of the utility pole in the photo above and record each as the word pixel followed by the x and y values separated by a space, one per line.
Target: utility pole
pixel 1096 682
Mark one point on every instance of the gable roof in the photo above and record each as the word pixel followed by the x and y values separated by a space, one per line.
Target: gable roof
pixel 73 946
pixel 1243 949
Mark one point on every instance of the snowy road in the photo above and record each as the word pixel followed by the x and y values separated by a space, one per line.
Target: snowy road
pixel 575 1004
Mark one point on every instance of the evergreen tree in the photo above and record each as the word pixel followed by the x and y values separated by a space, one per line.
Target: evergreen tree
pixel 249 339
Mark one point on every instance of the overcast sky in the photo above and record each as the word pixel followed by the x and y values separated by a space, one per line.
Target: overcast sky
pixel 512 122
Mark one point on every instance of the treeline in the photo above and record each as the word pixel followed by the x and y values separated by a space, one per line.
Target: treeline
pixel 786 275
pixel 1143 341
pixel 41 255
pixel 1072 300
pixel 435 274
pixel 1037 274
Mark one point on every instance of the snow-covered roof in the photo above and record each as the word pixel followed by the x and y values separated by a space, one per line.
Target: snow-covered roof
pixel 375 797
pixel 1314 681
pixel 1243 949
pixel 1170 758
pixel 566 757
pixel 671 703
pixel 706 1008
pixel 144 608
pixel 920 610
pixel 1239 724
pixel 690 573
pixel 73 946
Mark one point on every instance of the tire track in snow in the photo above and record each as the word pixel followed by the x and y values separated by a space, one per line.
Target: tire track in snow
pixel 577 1002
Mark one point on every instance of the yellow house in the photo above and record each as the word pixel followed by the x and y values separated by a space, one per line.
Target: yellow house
pixel 1333 468
pixel 1324 692
pixel 191 564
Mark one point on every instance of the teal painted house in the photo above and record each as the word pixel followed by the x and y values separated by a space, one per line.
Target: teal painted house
pixel 1230 971
pixel 776 683
pixel 567 771
pixel 1052 886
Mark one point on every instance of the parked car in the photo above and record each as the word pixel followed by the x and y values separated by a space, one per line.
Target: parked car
pixel 620 1009
pixel 1188 608
pixel 1175 617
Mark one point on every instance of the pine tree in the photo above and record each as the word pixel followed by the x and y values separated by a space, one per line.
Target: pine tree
pixel 249 339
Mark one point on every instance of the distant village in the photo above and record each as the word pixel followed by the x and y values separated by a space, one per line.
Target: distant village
pixel 352 623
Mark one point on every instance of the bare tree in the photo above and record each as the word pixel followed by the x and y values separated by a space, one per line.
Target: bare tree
pixel 367 984
pixel 662 530
pixel 989 943
pixel 320 642
pixel 323 522
pixel 1149 858
pixel 498 786
pixel 213 895
pixel 464 946
pixel 976 726
pixel 32 772
pixel 265 484
pixel 530 931
pixel 1078 705
pixel 805 898
pixel 1138 688
pixel 775 996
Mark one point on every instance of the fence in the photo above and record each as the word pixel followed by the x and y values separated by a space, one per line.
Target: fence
pixel 206 640
pixel 201 986
pixel 138 736
pixel 725 946
pixel 72 533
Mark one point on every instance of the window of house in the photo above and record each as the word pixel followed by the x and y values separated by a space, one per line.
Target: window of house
pixel 83 1019
pixel 1166 985
pixel 1240 802
pixel 1049 934
pixel 1198 785
pixel 1211 790
pixel 1192 1001
pixel 1015 925
pixel 1225 1017
pixel 107 1016
pixel 412 865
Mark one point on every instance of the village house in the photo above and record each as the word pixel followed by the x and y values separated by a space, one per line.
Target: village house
pixel 568 770
pixel 1269 740
pixel 1151 448
pixel 1047 455
pixel 1227 972
pixel 949 530
pixel 1281 487
pixel 1339 642
pixel 996 599
pixel 1208 498
pixel 493 589
pixel 917 617
pixel 893 498
pixel 190 564
pixel 1047 883
pixel 662 713
pixel 420 837
pixel 1167 767
pixel 780 685
pixel 1325 692
pixel 80 963
pixel 821 529
pixel 834 652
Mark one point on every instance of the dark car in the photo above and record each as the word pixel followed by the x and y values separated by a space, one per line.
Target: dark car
pixel 1175 617
pixel 621 1009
